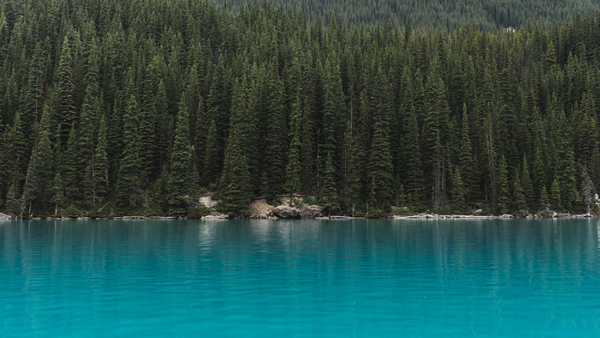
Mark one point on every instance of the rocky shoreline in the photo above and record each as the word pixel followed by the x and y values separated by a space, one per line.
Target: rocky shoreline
pixel 294 213
pixel 298 209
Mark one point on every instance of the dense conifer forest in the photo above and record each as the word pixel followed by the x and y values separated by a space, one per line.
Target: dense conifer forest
pixel 491 15
pixel 111 107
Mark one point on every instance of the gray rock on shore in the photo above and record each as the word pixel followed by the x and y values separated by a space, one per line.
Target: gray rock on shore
pixel 286 212
pixel 5 217
pixel 308 211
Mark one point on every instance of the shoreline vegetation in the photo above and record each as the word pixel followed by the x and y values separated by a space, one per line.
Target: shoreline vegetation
pixel 152 108
pixel 295 209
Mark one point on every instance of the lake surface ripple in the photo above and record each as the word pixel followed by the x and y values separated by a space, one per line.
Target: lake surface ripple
pixel 382 278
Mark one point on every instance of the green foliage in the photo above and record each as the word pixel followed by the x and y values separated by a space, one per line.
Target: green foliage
pixel 197 212
pixel 376 213
pixel 178 183
pixel 555 196
pixel 490 15
pixel 458 194
pixel 276 202
pixel 403 212
pixel 98 110
pixel 129 169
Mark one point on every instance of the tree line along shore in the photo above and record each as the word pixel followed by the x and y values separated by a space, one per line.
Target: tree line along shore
pixel 131 107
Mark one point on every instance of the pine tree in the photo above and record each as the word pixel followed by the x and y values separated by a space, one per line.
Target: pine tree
pixel 527 185
pixel 129 169
pixel 466 155
pixel 101 163
pixel 587 189
pixel 458 193
pixel 161 113
pixel 177 185
pixel 333 108
pixel 556 196
pixel 567 181
pixel 71 170
pixel 44 160
pixel 518 195
pixel 58 197
pixel 381 168
pixel 13 205
pixel 357 145
pixel 414 171
pixel 539 174
pixel 65 91
pixel 211 161
pixel 503 189
pixel 329 187
pixel 544 200
pixel 293 168
pixel 148 151
pixel 87 142
pixel 595 167
pixel 433 139
pixel 29 187
pixel 236 186
pixel 276 139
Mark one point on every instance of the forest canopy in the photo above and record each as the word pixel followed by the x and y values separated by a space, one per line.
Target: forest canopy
pixel 492 15
pixel 111 107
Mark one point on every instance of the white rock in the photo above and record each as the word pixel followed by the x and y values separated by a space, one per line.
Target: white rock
pixel 215 217
pixel 208 202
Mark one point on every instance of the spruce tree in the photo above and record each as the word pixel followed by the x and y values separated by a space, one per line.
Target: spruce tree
pixel 44 161
pixel 277 135
pixel 381 168
pixel 503 188
pixel 294 167
pixel 101 163
pixel 65 91
pixel 211 160
pixel 458 193
pixel 544 200
pixel 236 185
pixel 58 197
pixel 527 185
pixel 87 143
pixel 333 108
pixel 414 170
pixel 588 191
pixel 466 155
pixel 329 186
pixel 177 185
pixel 556 196
pixel 129 169
pixel 160 110
pixel 71 170
pixel 518 196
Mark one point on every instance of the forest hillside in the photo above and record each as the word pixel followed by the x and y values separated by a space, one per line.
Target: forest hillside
pixel 139 107
pixel 491 15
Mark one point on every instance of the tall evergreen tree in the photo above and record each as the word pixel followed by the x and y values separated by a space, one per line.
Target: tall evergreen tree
pixel 65 91
pixel 180 160
pixel 458 193
pixel 101 163
pixel 293 168
pixel 129 170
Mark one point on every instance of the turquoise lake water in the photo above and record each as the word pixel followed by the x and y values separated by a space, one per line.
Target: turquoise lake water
pixel 382 278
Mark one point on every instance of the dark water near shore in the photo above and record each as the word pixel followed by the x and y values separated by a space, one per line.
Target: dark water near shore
pixel 383 278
